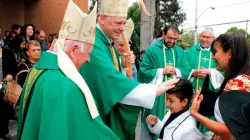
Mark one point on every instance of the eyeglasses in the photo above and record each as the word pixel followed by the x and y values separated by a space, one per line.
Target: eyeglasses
pixel 206 37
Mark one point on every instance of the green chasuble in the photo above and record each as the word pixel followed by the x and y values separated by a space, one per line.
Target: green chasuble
pixel 198 58
pixel 55 108
pixel 157 56
pixel 109 86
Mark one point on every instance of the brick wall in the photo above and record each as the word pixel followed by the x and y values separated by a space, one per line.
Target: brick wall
pixel 44 14
pixel 11 11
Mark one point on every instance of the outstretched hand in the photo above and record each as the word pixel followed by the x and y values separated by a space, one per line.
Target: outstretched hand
pixel 165 86
pixel 196 103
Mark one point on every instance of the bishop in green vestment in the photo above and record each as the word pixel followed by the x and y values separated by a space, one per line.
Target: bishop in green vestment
pixel 116 95
pixel 158 57
pixel 109 88
pixel 56 107
pixel 56 103
pixel 200 59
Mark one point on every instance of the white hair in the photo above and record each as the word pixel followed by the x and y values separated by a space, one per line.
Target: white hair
pixel 208 29
pixel 69 43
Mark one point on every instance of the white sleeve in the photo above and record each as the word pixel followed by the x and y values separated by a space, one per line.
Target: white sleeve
pixel 178 73
pixel 158 77
pixel 217 114
pixel 190 77
pixel 156 129
pixel 216 78
pixel 143 95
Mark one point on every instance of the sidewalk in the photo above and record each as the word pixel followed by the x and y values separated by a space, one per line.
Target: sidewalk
pixel 12 129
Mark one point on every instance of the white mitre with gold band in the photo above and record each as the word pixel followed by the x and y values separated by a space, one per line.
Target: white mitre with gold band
pixel 129 28
pixel 77 26
pixel 118 8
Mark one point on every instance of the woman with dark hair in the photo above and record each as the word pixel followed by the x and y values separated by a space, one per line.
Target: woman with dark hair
pixel 17 45
pixel 231 54
pixel 28 32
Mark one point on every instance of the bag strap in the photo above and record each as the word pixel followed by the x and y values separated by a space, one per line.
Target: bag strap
pixel 25 65
pixel 22 71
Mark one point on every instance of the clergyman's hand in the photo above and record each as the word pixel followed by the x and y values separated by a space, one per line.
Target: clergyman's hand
pixel 163 87
pixel 131 57
pixel 169 70
pixel 201 73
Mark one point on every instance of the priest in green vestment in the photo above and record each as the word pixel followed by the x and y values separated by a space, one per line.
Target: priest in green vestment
pixel 116 95
pixel 200 59
pixel 56 103
pixel 162 61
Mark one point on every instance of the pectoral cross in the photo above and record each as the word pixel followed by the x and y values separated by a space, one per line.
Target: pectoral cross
pixel 204 59
pixel 170 63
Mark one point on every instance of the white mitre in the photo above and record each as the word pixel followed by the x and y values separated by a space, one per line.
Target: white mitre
pixel 118 8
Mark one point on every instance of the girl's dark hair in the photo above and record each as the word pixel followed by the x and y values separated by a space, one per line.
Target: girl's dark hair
pixel 16 42
pixel 239 63
pixel 23 31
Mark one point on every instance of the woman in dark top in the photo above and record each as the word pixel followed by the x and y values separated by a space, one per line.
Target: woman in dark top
pixel 33 51
pixel 8 67
pixel 16 46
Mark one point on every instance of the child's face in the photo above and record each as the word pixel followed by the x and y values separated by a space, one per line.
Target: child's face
pixel 174 103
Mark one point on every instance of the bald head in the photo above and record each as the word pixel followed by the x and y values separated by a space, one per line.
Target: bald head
pixel 40 35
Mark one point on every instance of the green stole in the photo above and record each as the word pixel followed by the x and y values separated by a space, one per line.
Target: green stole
pixel 198 58
pixel 160 108
pixel 168 62
pixel 204 61
pixel 25 97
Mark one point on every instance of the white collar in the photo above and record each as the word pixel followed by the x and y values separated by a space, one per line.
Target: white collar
pixel 205 49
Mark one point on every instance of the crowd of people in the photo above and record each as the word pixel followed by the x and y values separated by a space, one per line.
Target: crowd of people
pixel 21 48
pixel 80 88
